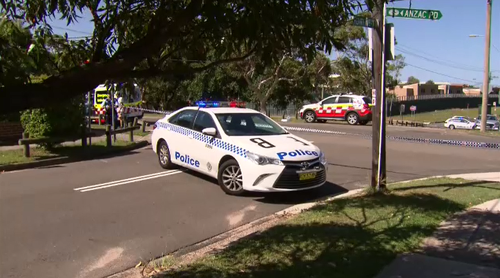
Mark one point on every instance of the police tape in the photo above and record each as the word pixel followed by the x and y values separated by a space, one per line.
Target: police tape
pixel 473 144
pixel 153 111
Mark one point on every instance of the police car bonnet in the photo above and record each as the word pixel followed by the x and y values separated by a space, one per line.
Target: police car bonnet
pixel 283 147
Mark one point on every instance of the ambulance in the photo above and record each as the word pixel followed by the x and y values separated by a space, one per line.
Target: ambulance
pixel 132 100
pixel 354 109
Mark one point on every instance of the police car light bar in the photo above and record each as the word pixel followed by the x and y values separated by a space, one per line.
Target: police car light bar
pixel 206 104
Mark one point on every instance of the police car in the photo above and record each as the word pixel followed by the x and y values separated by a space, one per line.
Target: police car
pixel 242 148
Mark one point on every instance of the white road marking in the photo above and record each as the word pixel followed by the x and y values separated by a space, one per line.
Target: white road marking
pixel 126 181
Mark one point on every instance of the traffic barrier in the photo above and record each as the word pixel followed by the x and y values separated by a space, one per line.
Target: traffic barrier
pixel 461 143
pixel 26 141
pixel 130 129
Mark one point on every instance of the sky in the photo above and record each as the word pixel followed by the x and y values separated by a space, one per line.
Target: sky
pixel 439 50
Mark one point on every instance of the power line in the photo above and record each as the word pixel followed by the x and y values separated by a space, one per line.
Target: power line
pixel 71 30
pixel 435 61
pixel 435 72
pixel 436 57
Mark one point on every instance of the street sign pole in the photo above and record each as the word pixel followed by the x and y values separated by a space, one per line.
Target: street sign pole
pixel 381 173
pixel 486 79
pixel 378 180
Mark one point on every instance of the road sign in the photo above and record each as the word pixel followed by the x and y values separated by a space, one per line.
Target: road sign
pixel 364 22
pixel 414 13
pixel 413 108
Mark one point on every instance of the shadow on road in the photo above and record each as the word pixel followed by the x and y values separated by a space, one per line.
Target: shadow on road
pixel 285 198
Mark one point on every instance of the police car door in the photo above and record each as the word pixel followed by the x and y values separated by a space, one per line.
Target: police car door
pixel 181 137
pixel 203 149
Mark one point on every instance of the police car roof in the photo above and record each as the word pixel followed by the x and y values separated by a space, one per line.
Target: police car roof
pixel 226 110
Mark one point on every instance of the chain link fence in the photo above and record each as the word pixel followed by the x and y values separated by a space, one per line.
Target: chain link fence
pixel 272 111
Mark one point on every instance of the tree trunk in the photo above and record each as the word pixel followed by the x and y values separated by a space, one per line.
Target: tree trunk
pixel 263 106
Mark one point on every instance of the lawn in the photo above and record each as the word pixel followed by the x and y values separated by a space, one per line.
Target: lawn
pixel 352 237
pixel 97 148
pixel 441 115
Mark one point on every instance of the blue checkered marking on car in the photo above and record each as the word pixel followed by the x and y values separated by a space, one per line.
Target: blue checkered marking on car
pixel 215 142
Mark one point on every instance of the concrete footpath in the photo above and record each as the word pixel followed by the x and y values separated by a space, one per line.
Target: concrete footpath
pixel 467 245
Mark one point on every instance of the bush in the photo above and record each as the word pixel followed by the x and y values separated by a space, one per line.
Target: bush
pixel 63 120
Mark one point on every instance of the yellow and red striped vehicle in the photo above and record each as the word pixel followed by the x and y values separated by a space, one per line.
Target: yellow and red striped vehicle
pixel 355 109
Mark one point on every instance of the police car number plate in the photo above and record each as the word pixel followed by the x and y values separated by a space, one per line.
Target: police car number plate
pixel 307 176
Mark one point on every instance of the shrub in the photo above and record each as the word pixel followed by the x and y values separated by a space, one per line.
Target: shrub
pixel 64 120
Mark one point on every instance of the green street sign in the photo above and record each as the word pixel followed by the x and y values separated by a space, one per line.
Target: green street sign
pixel 364 22
pixel 414 13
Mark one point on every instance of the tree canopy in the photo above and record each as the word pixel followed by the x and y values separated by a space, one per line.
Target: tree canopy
pixel 171 39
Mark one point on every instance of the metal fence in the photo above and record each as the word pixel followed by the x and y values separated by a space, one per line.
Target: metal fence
pixel 290 111
pixel 442 96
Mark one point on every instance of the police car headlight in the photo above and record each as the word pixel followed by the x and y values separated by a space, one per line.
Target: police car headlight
pixel 322 158
pixel 263 160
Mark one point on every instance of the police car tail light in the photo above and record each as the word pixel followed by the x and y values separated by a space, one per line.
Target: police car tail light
pixel 263 160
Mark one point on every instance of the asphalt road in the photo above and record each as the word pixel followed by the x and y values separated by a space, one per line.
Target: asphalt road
pixel 49 229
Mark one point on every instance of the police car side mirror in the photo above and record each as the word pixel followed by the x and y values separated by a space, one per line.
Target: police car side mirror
pixel 211 131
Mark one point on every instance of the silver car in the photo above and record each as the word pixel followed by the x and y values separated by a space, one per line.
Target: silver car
pixel 492 122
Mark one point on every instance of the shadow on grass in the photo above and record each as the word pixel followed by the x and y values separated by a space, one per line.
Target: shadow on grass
pixel 90 152
pixel 353 237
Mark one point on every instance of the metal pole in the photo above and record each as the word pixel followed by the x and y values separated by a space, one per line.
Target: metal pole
pixel 486 78
pixel 90 106
pixel 113 110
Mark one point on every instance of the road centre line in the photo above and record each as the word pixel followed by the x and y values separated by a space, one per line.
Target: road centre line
pixel 127 181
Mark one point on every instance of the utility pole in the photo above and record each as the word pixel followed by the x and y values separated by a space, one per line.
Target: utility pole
pixel 378 178
pixel 486 78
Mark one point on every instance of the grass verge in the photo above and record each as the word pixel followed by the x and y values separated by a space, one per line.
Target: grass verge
pixel 292 120
pixel 352 237
pixel 98 148
pixel 441 115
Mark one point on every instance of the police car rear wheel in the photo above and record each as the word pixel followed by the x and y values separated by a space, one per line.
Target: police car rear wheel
pixel 309 116
pixel 230 178
pixel 164 155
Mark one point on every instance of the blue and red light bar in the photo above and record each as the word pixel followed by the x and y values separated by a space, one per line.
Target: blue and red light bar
pixel 207 104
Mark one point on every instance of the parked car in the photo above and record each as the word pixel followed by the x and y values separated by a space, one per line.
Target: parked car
pixel 492 122
pixel 460 123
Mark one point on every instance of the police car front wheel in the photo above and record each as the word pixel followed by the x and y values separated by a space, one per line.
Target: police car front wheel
pixel 164 155
pixel 230 178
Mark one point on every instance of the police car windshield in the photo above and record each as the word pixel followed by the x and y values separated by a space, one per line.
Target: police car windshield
pixel 248 124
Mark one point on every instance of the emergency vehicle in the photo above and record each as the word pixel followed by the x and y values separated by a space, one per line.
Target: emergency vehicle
pixel 354 109
pixel 132 100
pixel 242 148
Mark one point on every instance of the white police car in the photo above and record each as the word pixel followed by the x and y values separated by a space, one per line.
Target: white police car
pixel 242 148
